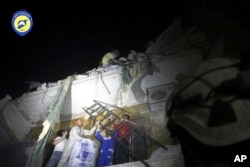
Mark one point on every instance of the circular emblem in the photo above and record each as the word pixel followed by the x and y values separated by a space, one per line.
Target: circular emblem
pixel 22 22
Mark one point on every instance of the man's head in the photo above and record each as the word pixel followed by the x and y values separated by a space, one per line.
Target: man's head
pixel 208 112
pixel 109 132
pixel 116 53
pixel 126 116
pixel 79 122
pixel 60 132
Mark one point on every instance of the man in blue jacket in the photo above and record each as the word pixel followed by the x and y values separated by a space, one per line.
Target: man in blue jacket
pixel 107 147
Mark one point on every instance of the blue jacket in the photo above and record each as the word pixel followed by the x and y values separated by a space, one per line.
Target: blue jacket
pixel 107 148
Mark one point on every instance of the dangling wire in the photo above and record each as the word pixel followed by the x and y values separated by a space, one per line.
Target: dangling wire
pixel 196 99
pixel 207 72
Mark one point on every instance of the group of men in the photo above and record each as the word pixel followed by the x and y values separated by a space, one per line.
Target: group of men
pixel 60 157
pixel 208 114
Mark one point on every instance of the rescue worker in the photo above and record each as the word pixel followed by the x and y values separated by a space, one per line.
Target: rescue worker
pixel 59 143
pixel 123 127
pixel 75 134
pixel 107 146
pixel 110 58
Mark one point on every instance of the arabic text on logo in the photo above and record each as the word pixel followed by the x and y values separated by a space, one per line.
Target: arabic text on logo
pixel 22 22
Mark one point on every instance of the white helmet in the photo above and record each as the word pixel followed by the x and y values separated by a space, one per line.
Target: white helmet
pixel 213 103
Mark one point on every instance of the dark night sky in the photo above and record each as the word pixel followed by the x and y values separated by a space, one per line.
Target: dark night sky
pixel 69 38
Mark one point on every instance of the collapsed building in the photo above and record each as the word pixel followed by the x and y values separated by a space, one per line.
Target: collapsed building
pixel 140 86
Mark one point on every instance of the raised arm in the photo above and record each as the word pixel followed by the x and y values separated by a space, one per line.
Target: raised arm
pixel 98 135
pixel 131 122
pixel 58 139
pixel 89 132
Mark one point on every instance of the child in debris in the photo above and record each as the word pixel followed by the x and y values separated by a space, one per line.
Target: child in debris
pixel 59 143
pixel 107 146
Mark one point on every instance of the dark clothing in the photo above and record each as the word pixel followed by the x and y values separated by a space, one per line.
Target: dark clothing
pixel 121 152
